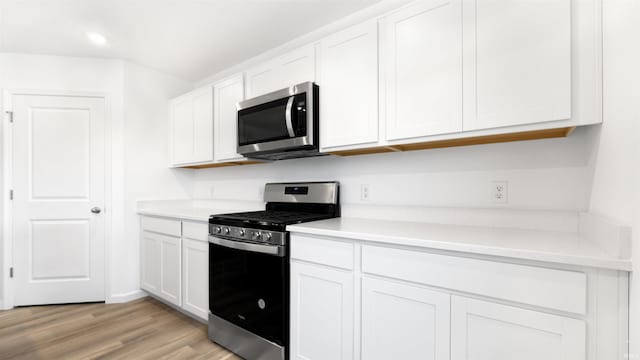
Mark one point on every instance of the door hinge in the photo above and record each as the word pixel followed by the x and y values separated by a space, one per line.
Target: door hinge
pixel 9 115
pixel 10 194
pixel 11 272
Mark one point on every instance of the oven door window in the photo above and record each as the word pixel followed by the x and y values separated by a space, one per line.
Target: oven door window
pixel 249 289
pixel 269 122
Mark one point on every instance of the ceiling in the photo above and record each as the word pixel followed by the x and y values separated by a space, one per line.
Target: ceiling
pixel 188 38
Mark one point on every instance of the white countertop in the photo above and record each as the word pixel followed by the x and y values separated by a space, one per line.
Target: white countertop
pixel 186 213
pixel 537 245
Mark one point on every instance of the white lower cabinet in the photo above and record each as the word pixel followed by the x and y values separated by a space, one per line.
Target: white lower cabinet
pixel 174 257
pixel 195 277
pixel 150 262
pixel 322 312
pixel 482 330
pixel 352 299
pixel 402 321
pixel 170 265
pixel 160 271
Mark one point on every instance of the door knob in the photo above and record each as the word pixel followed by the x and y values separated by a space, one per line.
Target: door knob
pixel 96 210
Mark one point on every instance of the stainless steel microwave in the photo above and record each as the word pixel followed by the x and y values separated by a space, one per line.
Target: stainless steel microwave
pixel 280 125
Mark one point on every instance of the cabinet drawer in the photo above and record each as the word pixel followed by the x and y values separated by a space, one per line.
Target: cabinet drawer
pixel 555 289
pixel 195 230
pixel 162 226
pixel 322 251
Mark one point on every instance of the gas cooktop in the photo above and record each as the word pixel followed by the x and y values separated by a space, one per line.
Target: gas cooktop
pixel 287 203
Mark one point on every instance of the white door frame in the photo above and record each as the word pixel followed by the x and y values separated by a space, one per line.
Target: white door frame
pixel 7 300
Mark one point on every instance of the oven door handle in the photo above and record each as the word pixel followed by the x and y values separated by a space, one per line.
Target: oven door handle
pixel 239 245
pixel 287 117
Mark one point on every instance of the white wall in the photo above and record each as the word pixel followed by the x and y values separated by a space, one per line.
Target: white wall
pixel 616 156
pixel 541 174
pixel 137 105
pixel 146 175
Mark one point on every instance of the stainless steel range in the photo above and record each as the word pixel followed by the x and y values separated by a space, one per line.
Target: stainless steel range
pixel 249 268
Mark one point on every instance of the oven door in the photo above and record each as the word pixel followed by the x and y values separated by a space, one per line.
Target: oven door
pixel 278 121
pixel 249 287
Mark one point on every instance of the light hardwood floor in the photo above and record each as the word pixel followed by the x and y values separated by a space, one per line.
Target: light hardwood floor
pixel 141 329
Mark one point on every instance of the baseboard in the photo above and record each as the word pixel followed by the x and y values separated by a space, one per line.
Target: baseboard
pixel 126 297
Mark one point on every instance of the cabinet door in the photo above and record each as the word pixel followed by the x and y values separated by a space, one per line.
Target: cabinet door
pixel 150 263
pixel 421 52
pixel 195 276
pixel 486 331
pixel 295 67
pixel 517 62
pixel 403 322
pixel 348 80
pixel 202 138
pixel 226 95
pixel 181 129
pixel 262 79
pixel 170 268
pixel 321 312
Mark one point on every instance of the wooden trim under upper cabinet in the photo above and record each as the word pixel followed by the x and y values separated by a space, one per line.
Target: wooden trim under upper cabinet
pixel 474 140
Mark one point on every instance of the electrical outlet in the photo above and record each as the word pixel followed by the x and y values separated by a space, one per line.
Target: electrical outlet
pixel 365 192
pixel 499 192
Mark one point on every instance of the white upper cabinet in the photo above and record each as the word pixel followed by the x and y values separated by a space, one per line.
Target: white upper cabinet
pixel 295 67
pixel 348 81
pixel 191 127
pixel 181 129
pixel 428 71
pixel 421 69
pixel 518 58
pixel 227 94
pixel 203 124
pixel 482 330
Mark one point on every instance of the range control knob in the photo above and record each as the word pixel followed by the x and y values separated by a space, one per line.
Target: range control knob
pixel 218 229
pixel 226 231
pixel 268 236
pixel 241 232
pixel 258 235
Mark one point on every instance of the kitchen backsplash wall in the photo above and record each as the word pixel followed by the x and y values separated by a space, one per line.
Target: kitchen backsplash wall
pixel 542 174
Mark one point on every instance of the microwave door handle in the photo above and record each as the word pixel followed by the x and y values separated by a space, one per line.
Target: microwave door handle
pixel 287 117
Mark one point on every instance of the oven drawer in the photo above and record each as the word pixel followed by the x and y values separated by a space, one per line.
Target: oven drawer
pixel 322 251
pixel 162 226
pixel 550 288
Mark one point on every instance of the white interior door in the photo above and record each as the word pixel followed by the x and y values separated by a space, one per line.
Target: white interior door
pixel 58 177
